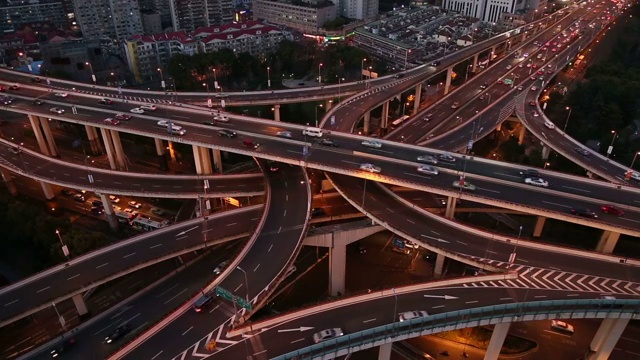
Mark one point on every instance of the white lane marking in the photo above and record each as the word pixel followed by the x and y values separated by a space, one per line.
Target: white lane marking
pixel 463 243
pixel 238 288
pixel 418 175
pixel 557 333
pixel 552 203
pixel 507 298
pixel 572 295
pixel 256 268
pixel 175 296
pixel 493 191
pixel 370 320
pixel 540 296
pixel 507 175
pixel 99 266
pixel 471 302
pixel 270 248
pixel 182 237
pixel 628 339
pixel 410 221
pixel 126 256
pixel 166 291
pixel 156 355
pixel 295 341
pixel 43 289
pixel 437 306
pixel 155 246
pixel 189 329
pixel 576 189
pixel 636 221
pixel 232 224
pixel 435 232
pixel 73 277
pixel 285 213
pixel 389 210
pixel 9 303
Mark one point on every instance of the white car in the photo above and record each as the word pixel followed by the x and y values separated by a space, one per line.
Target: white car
pixel 61 94
pixel 370 168
pixel 536 182
pixel 446 157
pixel 535 114
pixel 520 88
pixel 137 111
pixel 455 105
pixel 56 110
pixel 508 67
pixel 427 159
pixel 533 88
pixel 372 144
pixel 163 123
pixel 562 326
pixel 135 204
pixel 220 267
pixel 427 169
pixel 409 315
pixel 327 334
pixel 131 211
pixel 114 199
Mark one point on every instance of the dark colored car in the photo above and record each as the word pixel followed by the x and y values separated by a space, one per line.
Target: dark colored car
pixel 581 151
pixel 36 79
pixel 584 212
pixel 14 87
pixel 118 333
pixel 38 102
pixel 106 101
pixel 610 209
pixel 66 192
pixel 318 212
pixel 78 198
pixel 97 210
pixel 227 133
pixel 62 347
pixel 530 173
pixel 328 142
pixel 123 117
pixel 97 203
pixel 273 166
pixel 435 63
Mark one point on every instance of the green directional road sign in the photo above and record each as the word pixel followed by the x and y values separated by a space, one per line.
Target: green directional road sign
pixel 223 293
pixel 242 303
pixel 508 81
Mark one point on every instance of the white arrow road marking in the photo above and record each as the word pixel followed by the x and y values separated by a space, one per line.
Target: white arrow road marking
pixel 301 328
pixel 604 283
pixel 551 282
pixel 186 231
pixel 446 297
pixel 434 238
pixel 615 286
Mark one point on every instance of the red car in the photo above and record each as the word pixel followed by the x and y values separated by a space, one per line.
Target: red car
pixel 123 117
pixel 540 72
pixel 610 209
pixel 532 103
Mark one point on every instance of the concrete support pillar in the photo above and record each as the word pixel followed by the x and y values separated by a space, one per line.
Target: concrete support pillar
pixel 385 351
pixel 337 266
pixel 493 51
pixel 108 211
pixel 367 122
pixel 47 190
pixel 500 332
pixel 521 134
pixel 162 159
pixel 499 127
pixel 416 101
pixel 48 135
pixel 546 151
pixel 607 242
pixel 108 144
pixel 537 230
pixel 8 180
pixel 93 140
pixel 81 306
pixel 524 36
pixel 42 143
pixel 205 156
pixel 474 65
pixel 384 121
pixel 609 340
pixel 172 151
pixel 276 112
pixel 447 83
pixel 197 160
pixel 117 146
pixel 217 161
pixel 329 104
pixel 451 207
pixel 438 268
pixel 601 334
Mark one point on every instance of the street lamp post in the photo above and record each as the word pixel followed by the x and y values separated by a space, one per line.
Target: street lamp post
pixel 395 306
pixel 634 160
pixel 93 75
pixel 610 149
pixel 215 81
pixel 320 73
pixel 162 83
pixel 339 87
pixel 65 249
pixel 467 74
pixel 566 121
pixel 317 106
pixel 362 68
pixel 269 77
pixel 246 282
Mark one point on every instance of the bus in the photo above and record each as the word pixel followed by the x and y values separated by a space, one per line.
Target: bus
pixel 124 217
pixel 577 63
pixel 399 121
pixel 145 224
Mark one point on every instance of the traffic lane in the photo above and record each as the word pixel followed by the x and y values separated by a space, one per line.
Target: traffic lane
pixel 280 339
pixel 437 234
pixel 102 263
pixel 279 238
pixel 116 182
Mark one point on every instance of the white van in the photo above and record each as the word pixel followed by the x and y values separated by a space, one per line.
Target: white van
pixel 312 131
pixel 221 118
pixel 175 129
pixel 549 124
pixel 148 107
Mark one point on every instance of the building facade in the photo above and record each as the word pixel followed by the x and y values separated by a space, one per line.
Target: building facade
pixel 116 19
pixel 146 53
pixel 188 15
pixel 15 13
pixel 304 17
pixel 252 37
pixel 492 11
pixel 359 9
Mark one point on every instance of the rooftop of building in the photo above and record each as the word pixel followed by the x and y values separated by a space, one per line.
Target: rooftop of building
pixel 308 4
pixel 180 36
pixel 240 33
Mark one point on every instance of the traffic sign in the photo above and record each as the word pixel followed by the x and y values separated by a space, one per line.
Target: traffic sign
pixel 470 145
pixel 223 293
pixel 242 303
pixel 209 103
pixel 398 243
pixel 333 120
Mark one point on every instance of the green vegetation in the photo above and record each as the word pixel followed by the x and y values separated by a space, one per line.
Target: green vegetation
pixel 29 242
pixel 479 337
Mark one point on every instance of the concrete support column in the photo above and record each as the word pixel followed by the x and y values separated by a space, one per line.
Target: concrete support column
pixel 337 266
pixel 438 268
pixel 447 83
pixel 367 122
pixel 615 330
pixel 93 139
pixel 521 134
pixel 162 159
pixel 108 211
pixel 416 101
pixel 47 190
pixel 42 143
pixel 8 180
pixel 217 161
pixel 546 151
pixel 276 112
pixel 197 160
pixel 384 352
pixel 384 121
pixel 172 151
pixel 117 146
pixel 108 144
pixel 524 36
pixel 601 334
pixel 81 306
pixel 329 104
pixel 537 230
pixel 474 66
pixel 205 156
pixel 500 332
pixel 493 51
pixel 499 127
pixel 53 150
pixel 451 207
pixel 607 242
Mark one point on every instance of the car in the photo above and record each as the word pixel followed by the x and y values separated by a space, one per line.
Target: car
pixel 532 78
pixel 584 212
pixel 62 347
pixel 6 100
pixel 114 199
pixel 111 121
pixel 15 150
pixel 610 209
pixel 533 88
pixel 209 122
pixel 284 134
pixel 123 117
pixel 435 63
pixel 38 102
pixel 508 67
pixel 482 97
pixel 328 142
pixel 163 123
pixel 427 159
pixel 540 72
pixel 427 169
pixel 78 198
pixel 118 333
pixel 135 204
pixel 174 129
pixel 500 82
pixel 372 144
pixel 447 158
pixel 66 192
pixel 221 118
pixel 61 94
pixel 149 107
pixel 532 103
pixel 220 268
pixel 327 334
pixel 410 315
pixel 561 326
pixel 157 211
pixel 455 105
pixel 227 133
pixel 529 173
pixel 525 55
pixel 484 86
pixel 520 65
pixel 535 113
pixel 105 101
pixel 549 71
pixel 536 181
pixel 14 87
pixel 463 185
pixel 528 65
pixel 56 110
pixel 97 210
pixel 137 111
pixel 131 211
pixel 370 168
pixel 203 302
pixel 520 88
pixel 582 151
pixel 554 50
pixel 36 79
pixel 273 166
pixel 318 212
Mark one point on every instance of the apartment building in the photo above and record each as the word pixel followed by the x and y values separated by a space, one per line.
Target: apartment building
pixel 15 13
pixel 306 17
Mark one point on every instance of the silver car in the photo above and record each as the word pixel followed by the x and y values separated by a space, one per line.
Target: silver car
pixel 372 144
pixel 426 169
pixel 428 159
pixel 370 168
pixel 56 110
pixel 327 334
pixel 409 315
